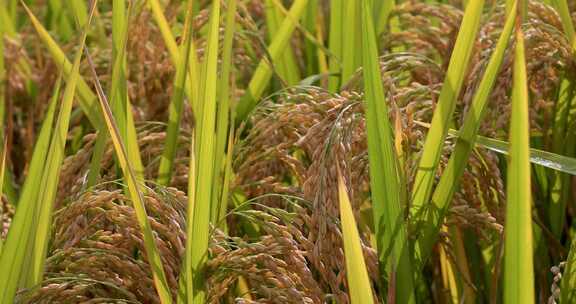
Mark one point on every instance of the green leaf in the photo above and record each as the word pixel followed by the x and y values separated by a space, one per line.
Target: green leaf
pixel 191 83
pixel 356 272
pixel 30 229
pixel 48 186
pixel 263 72
pixel 539 157
pixel 120 102
pixel 568 282
pixel 200 202
pixel 441 120
pixel 382 15
pixel 136 195
pixel 433 217
pixel 286 65
pixel 6 23
pixel 21 233
pixel 223 120
pixel 560 183
pixel 335 43
pixel 566 18
pixel 3 78
pixel 87 99
pixel 518 260
pixel 351 56
pixel 2 172
pixel 384 176
pixel 176 103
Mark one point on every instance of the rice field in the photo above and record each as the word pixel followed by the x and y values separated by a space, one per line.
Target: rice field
pixel 287 151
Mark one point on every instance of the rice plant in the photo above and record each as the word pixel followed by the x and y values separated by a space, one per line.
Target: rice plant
pixel 287 151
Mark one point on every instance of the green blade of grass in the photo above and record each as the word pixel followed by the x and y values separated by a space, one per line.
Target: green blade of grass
pixel 198 220
pixel 385 185
pixel 58 20
pixel 518 266
pixel 351 56
pixel 191 83
pixel 335 41
pixel 310 38
pixel 227 179
pixel 3 78
pixel 118 94
pixel 21 231
pixel 356 272
pixel 222 127
pixel 80 11
pixel 546 159
pixel 539 157
pixel 136 195
pixel 568 282
pixel 5 180
pixel 263 72
pixel 560 183
pixel 6 21
pixel 522 7
pixel 186 283
pixel 176 103
pixel 286 65
pixel 165 31
pixel 450 179
pixel 120 103
pixel 2 172
pixel 383 14
pixel 311 52
pixel 566 18
pixel 451 87
pixel 56 152
pixel 28 231
pixel 87 99
pixel 96 160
